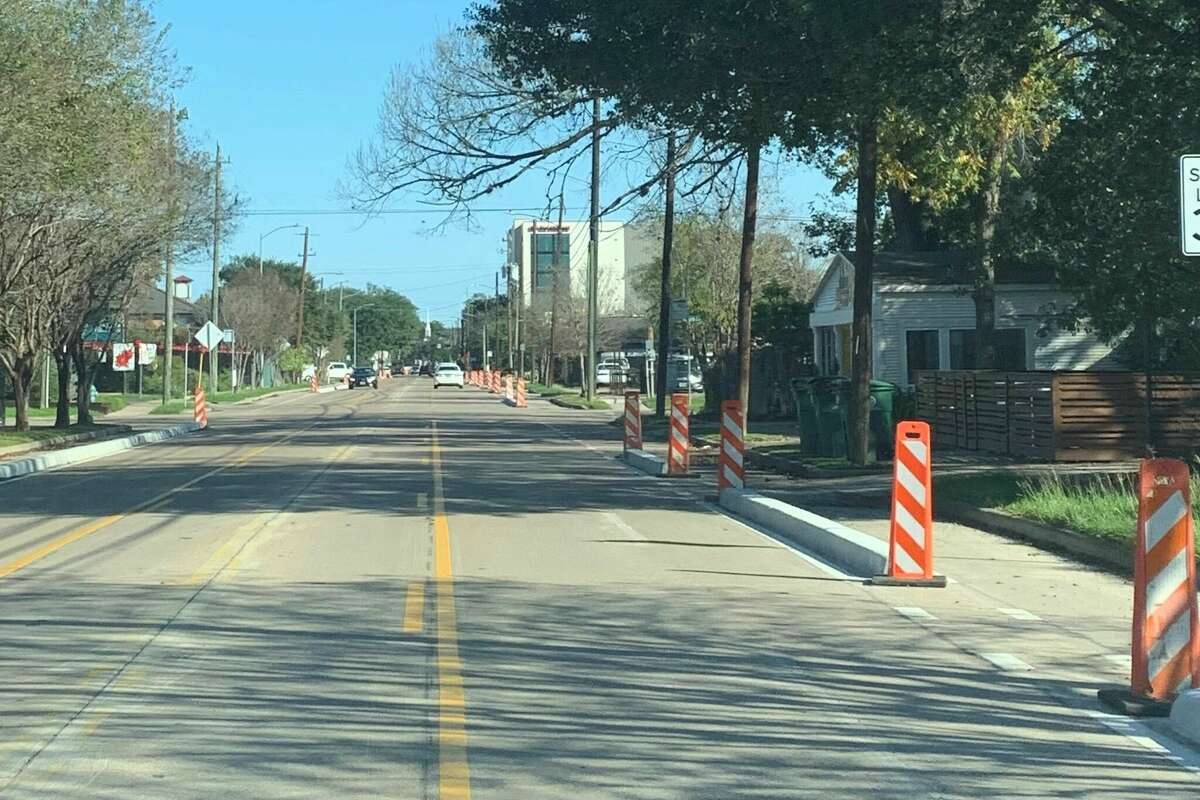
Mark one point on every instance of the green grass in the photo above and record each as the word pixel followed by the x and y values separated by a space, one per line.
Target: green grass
pixel 557 390
pixel 695 402
pixel 173 407
pixel 575 401
pixel 246 394
pixel 114 402
pixel 41 434
pixel 1105 507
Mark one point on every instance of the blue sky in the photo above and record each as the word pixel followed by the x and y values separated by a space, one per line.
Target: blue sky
pixel 290 89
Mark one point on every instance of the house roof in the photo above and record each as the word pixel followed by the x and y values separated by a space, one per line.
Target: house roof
pixel 183 279
pixel 150 301
pixel 945 268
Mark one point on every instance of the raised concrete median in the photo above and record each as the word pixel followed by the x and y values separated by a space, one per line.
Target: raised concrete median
pixel 651 465
pixel 1185 715
pixel 853 551
pixel 89 452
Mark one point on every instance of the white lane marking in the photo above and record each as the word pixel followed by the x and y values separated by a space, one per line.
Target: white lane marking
pixel 623 526
pixel 912 612
pixel 1149 739
pixel 1007 662
pixel 1021 614
pixel 422 501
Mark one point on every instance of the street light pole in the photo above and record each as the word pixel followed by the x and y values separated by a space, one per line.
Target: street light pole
pixel 264 236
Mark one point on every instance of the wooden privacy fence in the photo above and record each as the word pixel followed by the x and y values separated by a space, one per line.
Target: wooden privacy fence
pixel 1062 416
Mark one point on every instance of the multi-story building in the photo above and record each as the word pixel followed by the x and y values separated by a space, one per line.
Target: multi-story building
pixel 623 251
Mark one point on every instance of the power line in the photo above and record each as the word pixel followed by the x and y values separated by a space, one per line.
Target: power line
pixel 325 212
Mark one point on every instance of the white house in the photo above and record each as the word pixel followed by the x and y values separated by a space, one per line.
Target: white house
pixel 923 317
pixel 623 249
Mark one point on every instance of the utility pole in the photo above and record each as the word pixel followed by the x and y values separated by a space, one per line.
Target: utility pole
pixel 554 268
pixel 520 312
pixel 169 280
pixel 216 276
pixel 303 280
pixel 664 298
pixel 593 256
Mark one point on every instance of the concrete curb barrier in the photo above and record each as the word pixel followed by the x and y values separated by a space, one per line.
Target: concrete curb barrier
pixel 1185 715
pixel 90 452
pixel 854 551
pixel 333 387
pixel 111 432
pixel 1117 556
pixel 650 464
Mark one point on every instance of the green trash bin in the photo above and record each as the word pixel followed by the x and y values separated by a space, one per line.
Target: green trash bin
pixel 831 397
pixel 806 415
pixel 883 417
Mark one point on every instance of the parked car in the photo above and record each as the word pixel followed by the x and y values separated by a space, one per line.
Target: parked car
pixel 336 371
pixel 448 375
pixel 364 376
pixel 610 370
pixel 308 373
pixel 426 369
pixel 683 374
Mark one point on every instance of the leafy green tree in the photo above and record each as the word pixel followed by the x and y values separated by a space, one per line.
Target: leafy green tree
pixel 387 320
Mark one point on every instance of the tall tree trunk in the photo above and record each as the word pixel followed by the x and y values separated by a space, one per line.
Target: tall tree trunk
pixel 21 376
pixel 909 219
pixel 664 295
pixel 3 399
pixel 62 416
pixel 83 384
pixel 745 278
pixel 987 209
pixel 864 268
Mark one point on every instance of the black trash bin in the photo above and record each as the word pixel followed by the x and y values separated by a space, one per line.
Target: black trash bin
pixel 806 415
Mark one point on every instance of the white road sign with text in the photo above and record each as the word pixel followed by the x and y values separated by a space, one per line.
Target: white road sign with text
pixel 1189 204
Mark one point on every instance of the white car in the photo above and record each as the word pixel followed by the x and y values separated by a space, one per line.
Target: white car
pixel 608 370
pixel 336 371
pixel 447 375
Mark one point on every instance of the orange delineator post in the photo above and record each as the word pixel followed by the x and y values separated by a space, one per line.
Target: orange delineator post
pixel 199 401
pixel 678 456
pixel 1166 628
pixel 508 389
pixel 731 463
pixel 633 421
pixel 495 387
pixel 312 383
pixel 522 402
pixel 910 547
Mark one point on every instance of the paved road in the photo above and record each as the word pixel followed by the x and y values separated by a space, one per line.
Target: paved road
pixel 414 594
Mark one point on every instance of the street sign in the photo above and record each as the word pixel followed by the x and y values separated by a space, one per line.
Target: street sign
pixel 679 310
pixel 228 336
pixel 1189 204
pixel 122 356
pixel 209 336
pixel 146 352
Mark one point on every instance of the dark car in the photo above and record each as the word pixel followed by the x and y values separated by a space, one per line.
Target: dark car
pixel 364 376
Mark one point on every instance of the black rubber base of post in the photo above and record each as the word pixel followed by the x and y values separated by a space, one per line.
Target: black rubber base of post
pixel 936 582
pixel 1126 702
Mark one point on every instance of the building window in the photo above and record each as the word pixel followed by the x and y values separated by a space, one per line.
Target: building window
pixel 923 352
pixel 828 344
pixel 543 258
pixel 1010 349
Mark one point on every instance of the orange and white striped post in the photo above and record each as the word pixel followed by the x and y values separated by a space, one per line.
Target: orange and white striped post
pixel 633 421
pixel 731 463
pixel 495 387
pixel 312 383
pixel 509 396
pixel 522 402
pixel 678 457
pixel 1166 628
pixel 199 401
pixel 910 550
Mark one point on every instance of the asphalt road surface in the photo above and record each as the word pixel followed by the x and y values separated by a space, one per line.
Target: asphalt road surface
pixel 406 593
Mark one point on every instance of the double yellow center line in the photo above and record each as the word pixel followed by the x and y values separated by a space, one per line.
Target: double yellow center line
pixel 454 771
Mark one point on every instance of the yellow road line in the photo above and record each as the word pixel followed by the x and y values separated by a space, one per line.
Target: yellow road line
pixel 72 536
pixel 454 771
pixel 414 608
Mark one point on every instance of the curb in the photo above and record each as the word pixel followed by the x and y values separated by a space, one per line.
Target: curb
pixel 647 463
pixel 1116 556
pixel 113 431
pixel 90 452
pixel 854 551
pixel 267 396
pixel 1185 715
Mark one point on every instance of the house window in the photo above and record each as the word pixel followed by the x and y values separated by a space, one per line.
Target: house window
pixel 923 352
pixel 543 257
pixel 1010 349
pixel 828 344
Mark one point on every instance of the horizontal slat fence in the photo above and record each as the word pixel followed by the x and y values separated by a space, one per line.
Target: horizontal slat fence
pixel 1062 416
